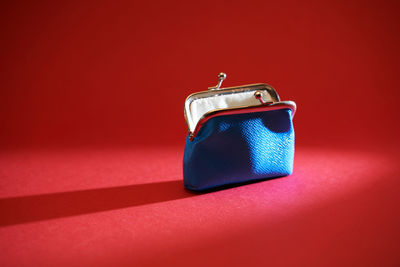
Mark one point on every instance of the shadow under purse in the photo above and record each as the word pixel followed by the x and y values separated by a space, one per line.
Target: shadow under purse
pixel 237 134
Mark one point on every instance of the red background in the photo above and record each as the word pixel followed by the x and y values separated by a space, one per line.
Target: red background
pixel 118 73
pixel 91 98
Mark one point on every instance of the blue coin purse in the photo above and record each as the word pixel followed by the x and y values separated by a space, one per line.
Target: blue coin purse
pixel 237 134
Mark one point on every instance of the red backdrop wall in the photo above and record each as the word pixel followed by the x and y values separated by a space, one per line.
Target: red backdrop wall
pixel 118 72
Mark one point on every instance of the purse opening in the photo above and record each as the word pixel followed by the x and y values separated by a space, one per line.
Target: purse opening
pixel 200 107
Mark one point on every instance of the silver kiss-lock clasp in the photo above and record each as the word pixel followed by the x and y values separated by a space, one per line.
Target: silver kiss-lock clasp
pixel 222 76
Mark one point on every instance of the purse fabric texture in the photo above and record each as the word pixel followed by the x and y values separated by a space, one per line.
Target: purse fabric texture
pixel 236 148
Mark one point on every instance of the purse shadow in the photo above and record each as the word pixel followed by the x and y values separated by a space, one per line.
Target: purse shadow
pixel 234 185
pixel 24 209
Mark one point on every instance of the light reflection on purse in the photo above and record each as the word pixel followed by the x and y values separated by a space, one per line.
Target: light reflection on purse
pixel 237 134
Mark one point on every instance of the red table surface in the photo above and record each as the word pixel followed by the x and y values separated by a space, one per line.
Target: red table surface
pixel 92 132
pixel 124 207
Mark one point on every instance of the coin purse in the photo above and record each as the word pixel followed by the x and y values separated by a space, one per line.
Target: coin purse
pixel 237 134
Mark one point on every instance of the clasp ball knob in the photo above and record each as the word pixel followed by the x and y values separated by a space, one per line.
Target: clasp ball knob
pixel 222 75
